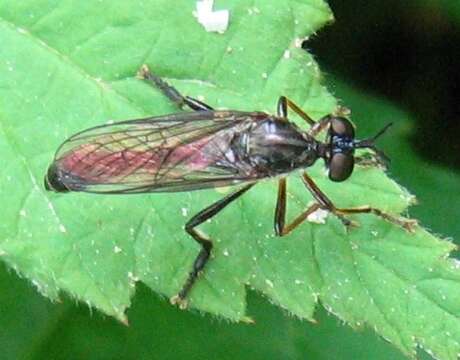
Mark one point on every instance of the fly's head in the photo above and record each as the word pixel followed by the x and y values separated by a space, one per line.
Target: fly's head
pixel 339 149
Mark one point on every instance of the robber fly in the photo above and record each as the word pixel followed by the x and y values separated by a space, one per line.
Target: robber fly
pixel 208 149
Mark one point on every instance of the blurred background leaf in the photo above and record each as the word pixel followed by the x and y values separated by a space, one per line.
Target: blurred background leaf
pixel 34 328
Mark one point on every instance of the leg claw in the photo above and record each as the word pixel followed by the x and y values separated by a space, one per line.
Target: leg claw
pixel 350 225
pixel 409 225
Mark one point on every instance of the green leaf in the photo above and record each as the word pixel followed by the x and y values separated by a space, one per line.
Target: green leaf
pixel 70 66
pixel 47 331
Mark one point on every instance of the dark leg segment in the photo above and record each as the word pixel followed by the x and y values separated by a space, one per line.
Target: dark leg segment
pixel 206 244
pixel 197 105
pixel 282 107
pixel 280 212
pixel 327 204
pixel 284 103
pixel 171 92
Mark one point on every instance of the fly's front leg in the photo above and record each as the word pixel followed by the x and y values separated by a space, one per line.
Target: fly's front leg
pixel 408 224
pixel 280 212
pixel 320 125
pixel 324 122
pixel 171 92
pixel 205 243
pixel 327 204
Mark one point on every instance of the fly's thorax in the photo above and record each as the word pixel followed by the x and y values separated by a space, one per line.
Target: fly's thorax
pixel 277 146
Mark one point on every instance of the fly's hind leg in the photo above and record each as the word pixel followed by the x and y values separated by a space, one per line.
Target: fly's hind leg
pixel 326 203
pixel 206 244
pixel 171 92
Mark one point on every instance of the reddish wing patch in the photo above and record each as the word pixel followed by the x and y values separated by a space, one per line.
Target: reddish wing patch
pixel 98 165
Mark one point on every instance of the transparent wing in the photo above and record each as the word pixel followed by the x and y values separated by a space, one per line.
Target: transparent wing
pixel 179 152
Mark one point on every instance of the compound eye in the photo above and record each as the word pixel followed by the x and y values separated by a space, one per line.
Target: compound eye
pixel 342 127
pixel 341 166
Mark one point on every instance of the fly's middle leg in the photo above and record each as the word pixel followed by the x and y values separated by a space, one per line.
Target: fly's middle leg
pixel 281 228
pixel 171 92
pixel 206 244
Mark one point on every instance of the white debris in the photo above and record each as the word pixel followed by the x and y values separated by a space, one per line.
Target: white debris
pixel 318 217
pixel 212 21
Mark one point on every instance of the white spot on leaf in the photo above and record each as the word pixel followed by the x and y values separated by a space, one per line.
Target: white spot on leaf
pixel 212 21
pixel 318 217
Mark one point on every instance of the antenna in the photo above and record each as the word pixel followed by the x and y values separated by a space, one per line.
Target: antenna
pixel 370 143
